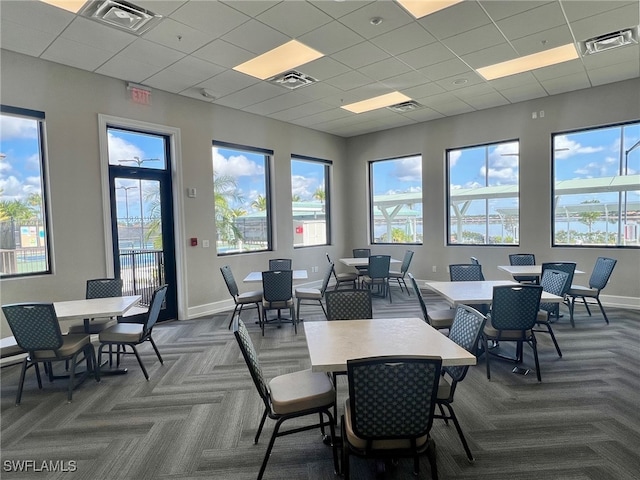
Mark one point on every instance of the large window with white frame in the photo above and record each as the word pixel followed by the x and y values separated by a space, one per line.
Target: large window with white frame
pixel 242 201
pixel 310 201
pixel 24 231
pixel 482 194
pixel 396 200
pixel 596 187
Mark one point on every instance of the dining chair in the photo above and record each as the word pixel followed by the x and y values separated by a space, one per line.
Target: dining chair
pixel 361 253
pixel 554 282
pixel 241 300
pixel 441 318
pixel 36 329
pixel 514 312
pixel 343 277
pixel 523 259
pixel 288 396
pixel 280 264
pixel 98 288
pixel 466 272
pixel 124 335
pixel 570 269
pixel 599 278
pixel 466 331
pixel 348 304
pixel 474 260
pixel 277 294
pixel 314 294
pixel 404 268
pixel 384 422
pixel 378 275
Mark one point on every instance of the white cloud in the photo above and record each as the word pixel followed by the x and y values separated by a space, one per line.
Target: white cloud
pixel 302 186
pixel 12 188
pixel 120 149
pixel 565 148
pixel 409 169
pixel 454 155
pixel 16 127
pixel 234 166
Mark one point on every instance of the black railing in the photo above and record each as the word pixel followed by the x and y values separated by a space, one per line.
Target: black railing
pixel 142 271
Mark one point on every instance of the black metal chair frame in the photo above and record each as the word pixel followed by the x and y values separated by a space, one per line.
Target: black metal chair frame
pixel 321 291
pixel 600 275
pixel 404 268
pixel 232 286
pixel 554 282
pixel 378 275
pixel 341 278
pixel 280 264
pixel 272 297
pixel 523 259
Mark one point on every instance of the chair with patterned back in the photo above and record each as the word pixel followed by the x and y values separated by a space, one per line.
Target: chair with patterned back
pixel 599 278
pixel 466 331
pixel 314 294
pixel 514 312
pixel 523 259
pixel 361 253
pixel 280 264
pixel 378 275
pixel 348 304
pixel 124 335
pixel 277 294
pixel 441 318
pixel 465 272
pixel 343 277
pixel 37 331
pixel 99 288
pixel 554 282
pixel 383 422
pixel 240 299
pixel 404 268
pixel 288 396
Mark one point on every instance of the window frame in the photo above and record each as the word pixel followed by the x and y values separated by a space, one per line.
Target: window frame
pixel 268 156
pixel 448 232
pixel 327 164
pixel 622 152
pixel 371 163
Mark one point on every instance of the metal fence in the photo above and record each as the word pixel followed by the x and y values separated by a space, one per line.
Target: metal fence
pixel 142 271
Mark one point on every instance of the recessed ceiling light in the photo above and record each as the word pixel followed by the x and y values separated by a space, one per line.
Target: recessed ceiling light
pixel 374 103
pixel 73 6
pixel 459 81
pixel 422 8
pixel 285 57
pixel 375 21
pixel 529 62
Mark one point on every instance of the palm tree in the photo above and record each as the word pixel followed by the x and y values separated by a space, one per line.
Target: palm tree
pixel 295 198
pixel 225 192
pixel 260 203
pixel 319 194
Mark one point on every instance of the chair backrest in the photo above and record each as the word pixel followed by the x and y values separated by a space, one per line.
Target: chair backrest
pixel 601 272
pixel 280 264
pixel 379 266
pixel 277 285
pixel 522 259
pixel 466 329
pixel 251 358
pixel 568 267
pixel 423 304
pixel 327 276
pixel 104 287
pixel 232 286
pixel 348 304
pixel 474 260
pixel 465 272
pixel 406 261
pixel 155 306
pixel 554 282
pixel 515 307
pixel 34 325
pixel 361 252
pixel 402 412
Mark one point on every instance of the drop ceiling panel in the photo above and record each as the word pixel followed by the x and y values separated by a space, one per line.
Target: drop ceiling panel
pixel 567 83
pixel 560 70
pixel 184 74
pixel 607 22
pixel 210 17
pixel 491 55
pixel 499 9
pixel 540 41
pixel 21 39
pixel 331 38
pixel 360 55
pixel 349 80
pixel 522 93
pixel 178 36
pixel 294 18
pixel 619 72
pixel 406 81
pixel 94 34
pixel 488 100
pixel 223 53
pixel 421 92
pixel 406 38
pixel 256 37
pixel 128 69
pixel 454 67
pixel 251 7
pixel 36 15
pixel 393 16
pixel 477 39
pixel 256 93
pixel 302 111
pixel 78 55
pixel 228 82
pixel 340 9
pixel 387 68
pixel 579 9
pixel 461 17
pixel 531 21
pixel 324 68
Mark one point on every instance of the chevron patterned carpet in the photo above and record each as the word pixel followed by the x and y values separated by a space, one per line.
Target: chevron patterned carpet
pixel 197 415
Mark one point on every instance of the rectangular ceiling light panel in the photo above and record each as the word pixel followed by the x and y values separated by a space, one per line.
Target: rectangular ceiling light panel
pixel 376 102
pixel 285 57
pixel 73 6
pixel 529 62
pixel 422 8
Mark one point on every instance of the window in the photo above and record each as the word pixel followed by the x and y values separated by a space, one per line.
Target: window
pixel 24 239
pixel 241 195
pixel 396 200
pixel 310 201
pixel 482 194
pixel 596 188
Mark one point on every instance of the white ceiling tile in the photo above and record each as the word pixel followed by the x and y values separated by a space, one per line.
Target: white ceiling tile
pixel 228 82
pixel 36 15
pixel 422 91
pixel 403 39
pixel 453 82
pixel 490 55
pixel 294 18
pixel 616 56
pixel 454 107
pixel 256 37
pixel 393 16
pixel 256 93
pixel 68 52
pixel 331 38
pixel 151 53
pixel 349 80
pixel 469 92
pixel 544 40
pixel 340 9
pixel 522 93
pixel 558 85
pixel 461 17
pixel 387 68
pixel 210 16
pixel 324 68
pixel 21 39
pixel 184 74
pixel 128 69
pixel 423 114
pixel 178 36
pixel 488 100
pixel 607 22
pixel 499 9
pixel 513 81
pixel 252 7
pixel 223 53
pixel 411 79
pixel 559 70
pixel 364 53
pixel 302 110
pixel 474 40
pixel 160 7
pixel 97 35
pixel 531 21
pixel 319 90
pixel 579 9
pixel 278 103
pixel 428 55
pixel 616 73
pixel 450 68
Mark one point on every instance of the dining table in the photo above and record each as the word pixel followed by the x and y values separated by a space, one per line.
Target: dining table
pixel 527 270
pixel 255 277
pixel 361 261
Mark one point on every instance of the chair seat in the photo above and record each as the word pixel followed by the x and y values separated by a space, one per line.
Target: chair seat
pixel 300 391
pixel 71 344
pixel 491 333
pixel 95 326
pixel 308 293
pixel 346 277
pixel 394 274
pixel 395 444
pixel 580 291
pixel 442 318
pixel 250 297
pixel 368 279
pixel 122 333
pixel 444 388
pixel 277 305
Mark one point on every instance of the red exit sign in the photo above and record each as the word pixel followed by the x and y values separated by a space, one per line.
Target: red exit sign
pixel 140 95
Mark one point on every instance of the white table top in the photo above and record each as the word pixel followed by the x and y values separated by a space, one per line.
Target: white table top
pixel 477 292
pixel 361 261
pixel 332 343
pixel 95 307
pixel 253 277
pixel 527 270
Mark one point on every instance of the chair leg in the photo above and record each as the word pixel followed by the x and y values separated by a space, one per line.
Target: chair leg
pixel 72 376
pixel 264 417
pixel 572 306
pixel 144 370
pixel 534 345
pixel 298 310
pixel 272 441
pixel 453 417
pixel 38 377
pixel 486 349
pixel 21 381
pixel 323 310
pixel 95 366
pixel 233 315
pixel 606 319
pixel 553 337
pixel 431 456
pixel 153 344
pixel 586 305
pixel 345 451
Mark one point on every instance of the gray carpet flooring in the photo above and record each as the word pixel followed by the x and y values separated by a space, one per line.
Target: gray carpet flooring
pixel 197 415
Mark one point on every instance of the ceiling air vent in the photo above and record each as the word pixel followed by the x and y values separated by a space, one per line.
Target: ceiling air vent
pixel 609 41
pixel 405 107
pixel 293 80
pixel 122 15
